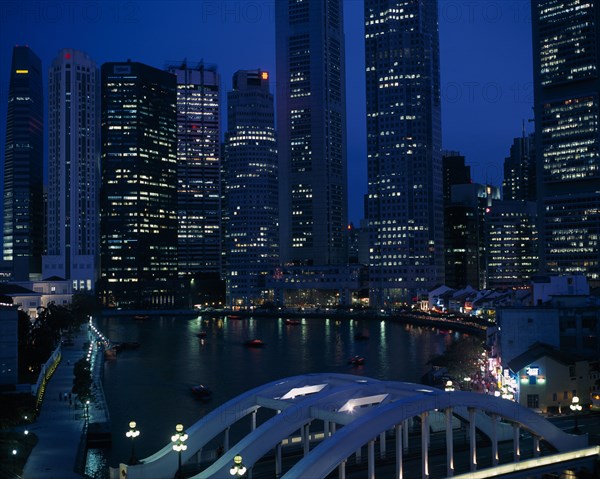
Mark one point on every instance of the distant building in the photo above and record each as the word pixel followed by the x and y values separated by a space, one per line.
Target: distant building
pixel 404 154
pixel 464 233
pixel 139 187
pixel 519 170
pixel 73 170
pixel 455 172
pixel 9 341
pixel 198 170
pixel 311 127
pixel 251 190
pixel 512 243
pixel 23 232
pixel 566 42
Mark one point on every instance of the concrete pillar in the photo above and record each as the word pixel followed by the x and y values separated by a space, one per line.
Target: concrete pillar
pixel 253 422
pixel 359 455
pixel 371 461
pixel 226 440
pixel 472 442
pixel 536 446
pixel 405 433
pixel 333 426
pixel 342 470
pixel 306 439
pixel 398 451
pixel 449 444
pixel 516 445
pixel 278 460
pixel 326 430
pixel 382 445
pixel 495 456
pixel 425 445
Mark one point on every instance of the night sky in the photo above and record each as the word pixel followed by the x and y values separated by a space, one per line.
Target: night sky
pixel 485 45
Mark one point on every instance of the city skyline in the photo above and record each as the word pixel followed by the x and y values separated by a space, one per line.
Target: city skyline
pixel 485 49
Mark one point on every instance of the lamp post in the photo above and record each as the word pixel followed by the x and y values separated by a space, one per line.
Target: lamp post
pixel 449 386
pixel 14 456
pixel 179 445
pixel 132 433
pixel 238 469
pixel 87 411
pixel 576 408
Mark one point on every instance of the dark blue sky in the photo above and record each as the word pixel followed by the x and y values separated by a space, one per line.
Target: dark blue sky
pixel 485 48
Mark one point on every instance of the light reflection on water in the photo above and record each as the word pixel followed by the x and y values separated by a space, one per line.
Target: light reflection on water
pixel 151 385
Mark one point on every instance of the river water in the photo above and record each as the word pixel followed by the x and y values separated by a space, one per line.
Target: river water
pixel 151 385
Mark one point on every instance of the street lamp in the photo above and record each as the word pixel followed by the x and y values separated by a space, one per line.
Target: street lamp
pixel 449 386
pixel 132 433
pixel 14 455
pixel 576 408
pixel 179 445
pixel 238 469
pixel 87 410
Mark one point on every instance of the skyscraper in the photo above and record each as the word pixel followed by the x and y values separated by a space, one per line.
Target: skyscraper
pixel 519 170
pixel 139 186
pixel 404 205
pixel 251 190
pixel 23 166
pixel 566 45
pixel 198 169
pixel 73 170
pixel 311 127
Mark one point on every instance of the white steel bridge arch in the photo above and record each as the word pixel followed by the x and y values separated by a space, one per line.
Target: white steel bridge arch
pixel 365 408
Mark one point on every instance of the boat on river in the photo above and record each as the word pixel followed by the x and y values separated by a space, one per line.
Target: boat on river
pixel 201 391
pixel 292 322
pixel 356 361
pixel 255 343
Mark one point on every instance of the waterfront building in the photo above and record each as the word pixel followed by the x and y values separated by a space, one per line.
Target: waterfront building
pixel 566 41
pixel 251 190
pixel 511 243
pixel 139 187
pixel 73 170
pixel 9 343
pixel 23 230
pixel 198 170
pixel 404 206
pixel 311 128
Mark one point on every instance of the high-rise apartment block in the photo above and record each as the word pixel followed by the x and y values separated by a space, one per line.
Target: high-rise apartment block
pixel 311 127
pixel 251 190
pixel 139 187
pixel 23 232
pixel 73 170
pixel 405 203
pixel 566 45
pixel 198 169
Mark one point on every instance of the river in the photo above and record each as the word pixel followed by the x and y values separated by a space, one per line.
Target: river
pixel 151 385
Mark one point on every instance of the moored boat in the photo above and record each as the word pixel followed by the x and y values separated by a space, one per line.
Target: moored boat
pixel 254 343
pixel 357 361
pixel 292 322
pixel 201 391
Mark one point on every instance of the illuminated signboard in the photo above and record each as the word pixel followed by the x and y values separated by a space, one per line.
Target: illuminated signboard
pixel 532 371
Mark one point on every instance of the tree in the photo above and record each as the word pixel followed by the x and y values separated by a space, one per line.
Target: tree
pixel 82 380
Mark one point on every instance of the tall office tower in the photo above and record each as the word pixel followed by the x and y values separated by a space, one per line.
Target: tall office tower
pixel 198 170
pixel 311 127
pixel 566 45
pixel 519 170
pixel 73 170
pixel 139 186
pixel 511 243
pixel 251 190
pixel 404 154
pixel 455 172
pixel 23 167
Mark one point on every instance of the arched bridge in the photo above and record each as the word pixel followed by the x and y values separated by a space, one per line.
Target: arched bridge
pixel 350 413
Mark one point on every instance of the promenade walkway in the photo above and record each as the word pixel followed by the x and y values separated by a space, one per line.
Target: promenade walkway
pixel 59 425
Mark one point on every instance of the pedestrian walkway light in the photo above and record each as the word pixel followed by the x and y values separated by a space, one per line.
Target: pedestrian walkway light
pixel 238 469
pixel 576 408
pixel 179 445
pixel 132 433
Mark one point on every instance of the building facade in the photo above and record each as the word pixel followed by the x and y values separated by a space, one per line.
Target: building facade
pixel 23 232
pixel 566 42
pixel 139 187
pixel 198 170
pixel 251 190
pixel 311 127
pixel 73 170
pixel 404 206
pixel 520 170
